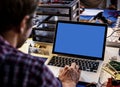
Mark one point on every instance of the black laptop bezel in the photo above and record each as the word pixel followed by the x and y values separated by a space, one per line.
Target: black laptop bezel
pixel 81 56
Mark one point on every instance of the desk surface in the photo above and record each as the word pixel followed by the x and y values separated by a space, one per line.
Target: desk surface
pixel 109 53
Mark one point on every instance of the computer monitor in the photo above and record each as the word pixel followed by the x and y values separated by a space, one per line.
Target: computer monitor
pixel 80 39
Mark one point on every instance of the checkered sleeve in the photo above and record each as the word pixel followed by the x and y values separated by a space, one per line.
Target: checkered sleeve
pixel 48 78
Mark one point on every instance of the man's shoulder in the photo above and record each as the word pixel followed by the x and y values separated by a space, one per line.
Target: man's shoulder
pixel 29 58
pixel 16 56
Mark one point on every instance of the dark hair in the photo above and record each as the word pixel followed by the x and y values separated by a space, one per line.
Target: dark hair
pixel 13 11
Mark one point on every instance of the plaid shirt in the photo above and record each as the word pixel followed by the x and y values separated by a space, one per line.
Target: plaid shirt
pixel 22 70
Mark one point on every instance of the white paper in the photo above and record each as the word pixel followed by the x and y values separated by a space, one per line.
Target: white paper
pixel 91 12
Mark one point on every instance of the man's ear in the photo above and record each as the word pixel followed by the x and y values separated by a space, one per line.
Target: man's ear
pixel 24 24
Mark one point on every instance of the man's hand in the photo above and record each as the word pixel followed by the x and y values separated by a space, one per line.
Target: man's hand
pixel 69 75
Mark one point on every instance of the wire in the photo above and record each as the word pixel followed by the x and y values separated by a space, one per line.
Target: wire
pixel 113 32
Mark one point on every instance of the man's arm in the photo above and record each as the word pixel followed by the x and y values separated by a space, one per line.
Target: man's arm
pixel 68 77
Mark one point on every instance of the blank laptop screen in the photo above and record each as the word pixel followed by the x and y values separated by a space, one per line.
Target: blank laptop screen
pixel 80 39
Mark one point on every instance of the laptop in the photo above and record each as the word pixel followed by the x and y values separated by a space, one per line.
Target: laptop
pixel 82 41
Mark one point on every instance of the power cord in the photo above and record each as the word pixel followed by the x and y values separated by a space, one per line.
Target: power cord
pixel 113 33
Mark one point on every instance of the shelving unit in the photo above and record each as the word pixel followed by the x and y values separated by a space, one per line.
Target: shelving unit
pixel 49 13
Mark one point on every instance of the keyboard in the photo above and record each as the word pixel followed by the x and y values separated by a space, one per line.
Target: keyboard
pixel 84 64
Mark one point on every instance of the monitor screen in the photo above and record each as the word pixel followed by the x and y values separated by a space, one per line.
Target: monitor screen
pixel 80 39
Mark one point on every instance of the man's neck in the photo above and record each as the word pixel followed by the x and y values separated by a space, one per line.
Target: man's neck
pixel 11 37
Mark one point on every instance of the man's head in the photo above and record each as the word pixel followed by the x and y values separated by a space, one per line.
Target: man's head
pixel 16 15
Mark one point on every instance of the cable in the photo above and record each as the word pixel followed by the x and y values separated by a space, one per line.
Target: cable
pixel 113 33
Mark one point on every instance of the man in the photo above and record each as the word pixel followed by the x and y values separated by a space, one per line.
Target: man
pixel 23 70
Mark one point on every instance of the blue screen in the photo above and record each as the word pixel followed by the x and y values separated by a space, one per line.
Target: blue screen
pixel 80 39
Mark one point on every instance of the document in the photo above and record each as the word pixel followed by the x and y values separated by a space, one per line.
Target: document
pixel 91 12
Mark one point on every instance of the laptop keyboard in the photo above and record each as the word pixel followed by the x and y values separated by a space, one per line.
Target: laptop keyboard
pixel 84 64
